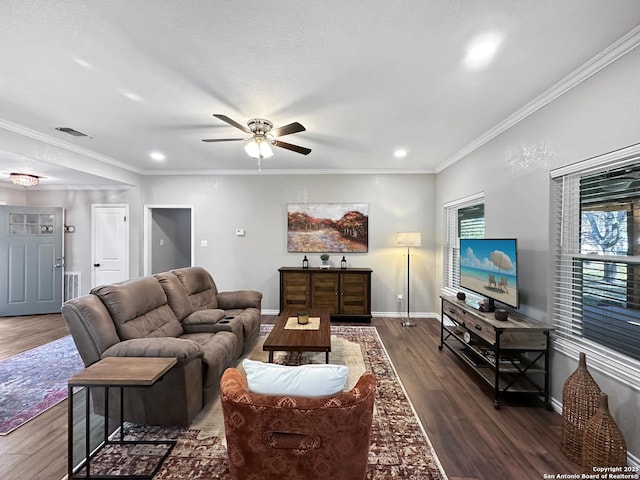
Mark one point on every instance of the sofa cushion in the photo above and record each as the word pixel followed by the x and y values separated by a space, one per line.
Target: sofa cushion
pixel 316 380
pixel 176 295
pixel 139 309
pixel 200 287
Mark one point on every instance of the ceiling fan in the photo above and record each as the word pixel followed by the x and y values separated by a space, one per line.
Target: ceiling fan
pixel 263 136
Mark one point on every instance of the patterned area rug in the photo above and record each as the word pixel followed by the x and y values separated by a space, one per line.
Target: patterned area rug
pixel 36 380
pixel 400 448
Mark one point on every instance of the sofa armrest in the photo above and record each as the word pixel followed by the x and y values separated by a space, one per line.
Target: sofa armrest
pixel 168 347
pixel 207 316
pixel 239 299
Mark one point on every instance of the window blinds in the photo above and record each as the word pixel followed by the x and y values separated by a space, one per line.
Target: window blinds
pixel 462 219
pixel 596 275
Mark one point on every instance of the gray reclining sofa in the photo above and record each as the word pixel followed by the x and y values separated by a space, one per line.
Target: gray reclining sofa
pixel 177 314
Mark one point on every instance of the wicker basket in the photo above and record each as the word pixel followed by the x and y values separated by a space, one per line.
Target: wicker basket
pixel 580 395
pixel 603 444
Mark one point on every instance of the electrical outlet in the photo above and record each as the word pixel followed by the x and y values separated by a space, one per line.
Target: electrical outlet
pixel 400 298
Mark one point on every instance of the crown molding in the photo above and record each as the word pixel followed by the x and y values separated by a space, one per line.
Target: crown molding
pixel 614 159
pixel 20 130
pixel 605 58
pixel 41 187
pixel 267 171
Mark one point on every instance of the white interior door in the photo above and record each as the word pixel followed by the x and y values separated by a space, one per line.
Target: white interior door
pixel 110 244
pixel 31 260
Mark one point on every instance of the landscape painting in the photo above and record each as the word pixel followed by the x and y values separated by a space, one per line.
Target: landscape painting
pixel 328 227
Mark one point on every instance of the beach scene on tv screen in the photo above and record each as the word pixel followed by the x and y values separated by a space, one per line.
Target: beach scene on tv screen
pixel 489 268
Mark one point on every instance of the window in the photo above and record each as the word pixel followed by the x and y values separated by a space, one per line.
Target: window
pixel 596 290
pixel 462 219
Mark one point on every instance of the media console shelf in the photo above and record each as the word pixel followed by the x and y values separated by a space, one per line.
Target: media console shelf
pixel 512 356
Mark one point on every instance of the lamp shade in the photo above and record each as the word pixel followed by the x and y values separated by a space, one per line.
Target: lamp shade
pixel 24 179
pixel 409 239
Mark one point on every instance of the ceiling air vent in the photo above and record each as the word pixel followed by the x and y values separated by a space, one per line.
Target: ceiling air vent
pixel 72 131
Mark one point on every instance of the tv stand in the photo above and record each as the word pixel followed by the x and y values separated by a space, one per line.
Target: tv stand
pixel 512 356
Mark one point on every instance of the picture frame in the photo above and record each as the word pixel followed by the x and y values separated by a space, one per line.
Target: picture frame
pixel 328 227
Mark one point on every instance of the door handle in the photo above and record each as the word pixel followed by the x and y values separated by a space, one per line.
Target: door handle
pixel 96 264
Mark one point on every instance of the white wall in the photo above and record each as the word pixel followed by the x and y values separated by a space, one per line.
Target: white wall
pixel 258 204
pixel 600 115
pixel 12 196
pixel 77 205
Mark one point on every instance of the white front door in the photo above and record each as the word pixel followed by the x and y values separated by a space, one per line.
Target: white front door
pixel 110 244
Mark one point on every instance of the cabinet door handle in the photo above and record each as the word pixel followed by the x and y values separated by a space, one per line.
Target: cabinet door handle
pixel 478 326
pixel 452 311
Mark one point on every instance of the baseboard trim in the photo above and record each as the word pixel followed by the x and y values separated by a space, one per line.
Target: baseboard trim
pixel 414 315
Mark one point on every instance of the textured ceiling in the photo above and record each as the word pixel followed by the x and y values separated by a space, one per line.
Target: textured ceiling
pixel 365 78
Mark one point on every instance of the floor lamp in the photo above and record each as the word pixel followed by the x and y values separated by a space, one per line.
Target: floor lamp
pixel 409 239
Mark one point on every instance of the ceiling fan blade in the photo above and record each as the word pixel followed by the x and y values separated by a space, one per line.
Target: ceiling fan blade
pixel 294 127
pixel 228 120
pixel 222 139
pixel 293 148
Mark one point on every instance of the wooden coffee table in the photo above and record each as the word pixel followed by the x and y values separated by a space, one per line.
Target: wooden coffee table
pixel 283 340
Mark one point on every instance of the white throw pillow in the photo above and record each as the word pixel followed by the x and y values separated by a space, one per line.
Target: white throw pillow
pixel 317 380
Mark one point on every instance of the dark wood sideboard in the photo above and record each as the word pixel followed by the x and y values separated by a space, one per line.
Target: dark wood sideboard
pixel 345 292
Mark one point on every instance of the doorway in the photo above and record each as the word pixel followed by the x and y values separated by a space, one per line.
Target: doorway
pixel 31 258
pixel 169 234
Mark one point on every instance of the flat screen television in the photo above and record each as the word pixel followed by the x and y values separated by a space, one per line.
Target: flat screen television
pixel 488 267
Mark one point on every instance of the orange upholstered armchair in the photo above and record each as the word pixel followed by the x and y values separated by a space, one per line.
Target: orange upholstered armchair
pixel 279 437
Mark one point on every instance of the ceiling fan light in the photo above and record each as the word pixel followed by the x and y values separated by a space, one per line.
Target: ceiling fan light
pixel 266 150
pixel 256 148
pixel 252 148
pixel 24 179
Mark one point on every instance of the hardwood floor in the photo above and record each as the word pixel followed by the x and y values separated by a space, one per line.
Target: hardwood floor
pixel 472 439
pixel 37 450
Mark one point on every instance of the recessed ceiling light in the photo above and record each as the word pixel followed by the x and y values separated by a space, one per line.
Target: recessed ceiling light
pixel 400 153
pixel 83 63
pixel 134 97
pixel 482 50
pixel 158 156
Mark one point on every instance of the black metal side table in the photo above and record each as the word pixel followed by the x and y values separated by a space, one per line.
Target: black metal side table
pixel 118 373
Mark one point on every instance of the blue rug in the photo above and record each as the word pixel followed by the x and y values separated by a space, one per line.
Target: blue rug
pixel 36 380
